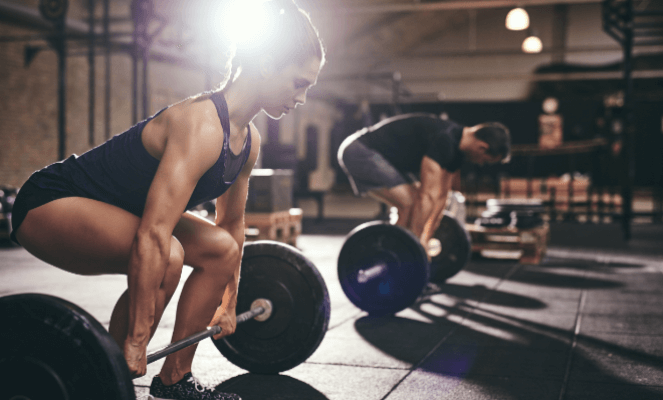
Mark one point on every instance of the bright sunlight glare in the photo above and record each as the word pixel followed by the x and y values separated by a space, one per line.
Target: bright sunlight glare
pixel 244 22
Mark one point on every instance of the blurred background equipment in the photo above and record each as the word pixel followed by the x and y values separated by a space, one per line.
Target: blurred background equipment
pixel 511 228
pixel 7 197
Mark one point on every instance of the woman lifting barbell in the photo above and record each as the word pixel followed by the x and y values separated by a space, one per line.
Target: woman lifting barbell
pixel 120 208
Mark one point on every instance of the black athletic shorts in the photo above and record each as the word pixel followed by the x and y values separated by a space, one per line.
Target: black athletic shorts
pixel 366 168
pixel 32 196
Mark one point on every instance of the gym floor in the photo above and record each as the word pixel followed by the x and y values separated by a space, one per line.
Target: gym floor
pixel 584 324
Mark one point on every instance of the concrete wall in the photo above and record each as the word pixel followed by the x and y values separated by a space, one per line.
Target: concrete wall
pixel 292 132
pixel 28 100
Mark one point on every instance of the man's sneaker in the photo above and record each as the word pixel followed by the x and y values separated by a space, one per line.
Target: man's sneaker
pixel 189 388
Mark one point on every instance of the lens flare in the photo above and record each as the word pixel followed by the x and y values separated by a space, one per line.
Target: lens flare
pixel 244 22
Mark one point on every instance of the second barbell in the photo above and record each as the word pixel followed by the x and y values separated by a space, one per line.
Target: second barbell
pixel 383 268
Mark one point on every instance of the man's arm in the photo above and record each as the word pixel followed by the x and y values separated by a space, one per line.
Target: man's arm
pixel 431 199
pixel 230 209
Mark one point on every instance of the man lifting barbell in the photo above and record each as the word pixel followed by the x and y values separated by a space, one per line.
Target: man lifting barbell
pixel 120 207
pixel 408 162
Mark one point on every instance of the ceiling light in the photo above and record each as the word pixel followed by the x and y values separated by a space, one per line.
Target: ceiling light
pixel 517 19
pixel 532 44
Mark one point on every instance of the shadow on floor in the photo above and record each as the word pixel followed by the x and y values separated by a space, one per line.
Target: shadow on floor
pixel 270 387
pixel 499 355
pixel 541 277
pixel 486 295
pixel 552 262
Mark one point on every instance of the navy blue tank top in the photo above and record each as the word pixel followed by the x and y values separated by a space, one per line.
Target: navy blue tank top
pixel 120 171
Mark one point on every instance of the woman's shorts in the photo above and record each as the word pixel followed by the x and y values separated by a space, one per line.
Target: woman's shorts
pixel 32 196
pixel 366 168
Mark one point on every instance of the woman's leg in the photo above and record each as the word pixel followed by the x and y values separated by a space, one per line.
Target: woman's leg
pixel 89 237
pixel 213 254
pixel 119 323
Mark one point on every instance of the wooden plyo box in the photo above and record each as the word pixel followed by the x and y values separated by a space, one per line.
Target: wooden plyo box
pixel 281 226
pixel 530 243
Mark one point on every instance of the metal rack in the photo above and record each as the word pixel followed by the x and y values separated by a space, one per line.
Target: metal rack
pixel 630 26
pixel 66 37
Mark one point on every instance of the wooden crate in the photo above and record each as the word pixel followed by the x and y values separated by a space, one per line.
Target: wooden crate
pixel 282 226
pixel 531 243
pixel 541 188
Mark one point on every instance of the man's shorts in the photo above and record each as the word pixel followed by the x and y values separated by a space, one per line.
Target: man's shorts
pixel 366 168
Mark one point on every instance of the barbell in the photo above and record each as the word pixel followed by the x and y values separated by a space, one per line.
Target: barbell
pixel 383 268
pixel 56 350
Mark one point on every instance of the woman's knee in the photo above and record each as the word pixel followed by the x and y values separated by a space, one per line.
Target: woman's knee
pixel 228 248
pixel 222 255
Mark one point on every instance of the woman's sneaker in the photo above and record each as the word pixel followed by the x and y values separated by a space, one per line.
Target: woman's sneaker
pixel 189 388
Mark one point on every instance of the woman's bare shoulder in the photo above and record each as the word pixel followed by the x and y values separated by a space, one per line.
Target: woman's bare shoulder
pixel 193 113
pixel 189 121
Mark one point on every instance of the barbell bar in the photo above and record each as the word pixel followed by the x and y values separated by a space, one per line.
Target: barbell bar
pixel 210 331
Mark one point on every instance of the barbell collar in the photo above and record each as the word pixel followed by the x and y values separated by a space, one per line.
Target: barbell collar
pixel 368 274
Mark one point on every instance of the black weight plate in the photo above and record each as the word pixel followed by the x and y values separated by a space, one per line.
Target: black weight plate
pixel 406 274
pixel 52 349
pixel 456 249
pixel 53 10
pixel 300 315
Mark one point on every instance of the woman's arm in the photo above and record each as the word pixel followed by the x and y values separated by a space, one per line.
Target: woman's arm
pixel 230 209
pixel 192 142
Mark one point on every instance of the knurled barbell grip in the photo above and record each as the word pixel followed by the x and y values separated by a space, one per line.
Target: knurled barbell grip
pixel 197 337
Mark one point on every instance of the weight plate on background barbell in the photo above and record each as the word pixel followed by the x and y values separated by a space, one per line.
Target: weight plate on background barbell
pixel 456 249
pixel 300 315
pixel 53 10
pixel 382 267
pixel 56 350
